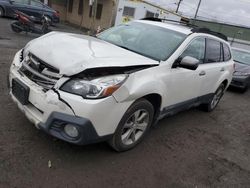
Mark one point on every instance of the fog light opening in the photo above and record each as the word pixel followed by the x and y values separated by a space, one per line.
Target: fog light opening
pixel 71 131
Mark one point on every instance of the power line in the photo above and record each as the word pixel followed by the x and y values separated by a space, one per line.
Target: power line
pixel 178 6
pixel 197 9
pixel 200 10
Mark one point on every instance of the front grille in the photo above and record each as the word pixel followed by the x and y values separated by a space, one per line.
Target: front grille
pixel 21 55
pixel 40 72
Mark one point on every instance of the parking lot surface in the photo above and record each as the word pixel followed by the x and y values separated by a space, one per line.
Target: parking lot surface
pixel 190 149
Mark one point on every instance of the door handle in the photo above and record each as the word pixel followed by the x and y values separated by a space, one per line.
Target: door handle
pixel 222 69
pixel 202 73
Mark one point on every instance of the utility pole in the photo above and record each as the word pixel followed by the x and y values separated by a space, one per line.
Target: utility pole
pixel 178 6
pixel 198 7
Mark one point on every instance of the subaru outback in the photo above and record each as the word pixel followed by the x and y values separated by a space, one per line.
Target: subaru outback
pixel 115 86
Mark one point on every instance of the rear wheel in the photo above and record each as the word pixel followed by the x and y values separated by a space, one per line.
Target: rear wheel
pixel 243 90
pixel 15 28
pixel 215 100
pixel 1 12
pixel 133 126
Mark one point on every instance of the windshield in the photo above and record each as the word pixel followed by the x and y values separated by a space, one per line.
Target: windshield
pixel 151 41
pixel 241 56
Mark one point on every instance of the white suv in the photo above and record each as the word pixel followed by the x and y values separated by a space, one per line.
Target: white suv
pixel 83 89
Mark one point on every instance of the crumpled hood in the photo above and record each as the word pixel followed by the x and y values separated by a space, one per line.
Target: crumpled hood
pixel 240 67
pixel 73 53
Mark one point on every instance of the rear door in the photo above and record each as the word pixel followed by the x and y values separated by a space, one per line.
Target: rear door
pixel 213 66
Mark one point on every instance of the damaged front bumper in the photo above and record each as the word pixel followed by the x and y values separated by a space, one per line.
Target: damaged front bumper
pixel 52 110
pixel 86 132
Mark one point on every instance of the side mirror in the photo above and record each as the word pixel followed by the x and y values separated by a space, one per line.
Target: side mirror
pixel 189 63
pixel 11 1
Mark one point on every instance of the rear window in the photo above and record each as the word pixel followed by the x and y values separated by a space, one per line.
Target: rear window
pixel 227 54
pixel 213 51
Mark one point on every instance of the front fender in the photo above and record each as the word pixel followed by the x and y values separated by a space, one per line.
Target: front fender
pixel 140 84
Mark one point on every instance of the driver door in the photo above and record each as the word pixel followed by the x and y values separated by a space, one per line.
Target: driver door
pixel 183 84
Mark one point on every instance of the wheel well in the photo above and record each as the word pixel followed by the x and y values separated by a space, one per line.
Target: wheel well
pixel 225 82
pixel 3 9
pixel 155 100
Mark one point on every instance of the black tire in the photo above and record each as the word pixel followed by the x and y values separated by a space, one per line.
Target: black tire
pixel 209 107
pixel 243 90
pixel 140 106
pixel 1 12
pixel 16 29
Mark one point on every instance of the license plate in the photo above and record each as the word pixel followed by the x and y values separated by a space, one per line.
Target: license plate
pixel 20 91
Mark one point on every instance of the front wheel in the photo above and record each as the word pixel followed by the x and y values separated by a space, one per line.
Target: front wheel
pixel 133 126
pixel 215 100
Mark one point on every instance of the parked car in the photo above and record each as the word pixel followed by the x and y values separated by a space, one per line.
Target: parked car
pixel 241 76
pixel 83 89
pixel 29 7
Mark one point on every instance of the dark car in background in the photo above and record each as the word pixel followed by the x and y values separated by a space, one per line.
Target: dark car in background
pixel 241 77
pixel 29 7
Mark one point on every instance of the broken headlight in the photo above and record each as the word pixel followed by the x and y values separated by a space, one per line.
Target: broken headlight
pixel 96 88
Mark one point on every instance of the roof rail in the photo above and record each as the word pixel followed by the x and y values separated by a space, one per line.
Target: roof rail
pixel 195 28
pixel 208 31
pixel 182 21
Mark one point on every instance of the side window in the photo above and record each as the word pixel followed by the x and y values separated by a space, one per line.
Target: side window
pixel 227 54
pixel 70 7
pixel 213 51
pixel 196 49
pixel 128 11
pixel 36 4
pixel 99 11
pixel 149 14
pixel 80 7
pixel 23 2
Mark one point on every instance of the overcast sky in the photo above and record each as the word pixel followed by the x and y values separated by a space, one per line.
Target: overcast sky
pixel 229 11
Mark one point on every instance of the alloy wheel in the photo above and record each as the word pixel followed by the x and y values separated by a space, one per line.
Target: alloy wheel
pixel 135 127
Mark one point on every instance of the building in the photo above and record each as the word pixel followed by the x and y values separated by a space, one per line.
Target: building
pixel 107 12
pixel 80 12
pixel 136 9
